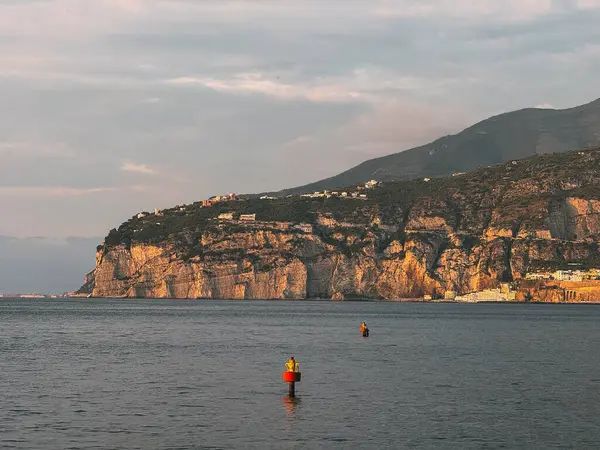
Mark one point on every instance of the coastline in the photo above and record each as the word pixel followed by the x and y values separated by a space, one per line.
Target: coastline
pixel 319 300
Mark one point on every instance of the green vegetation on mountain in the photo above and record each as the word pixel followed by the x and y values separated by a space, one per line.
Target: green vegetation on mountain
pixel 514 195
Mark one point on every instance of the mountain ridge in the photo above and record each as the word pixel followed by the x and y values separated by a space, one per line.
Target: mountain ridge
pixel 497 139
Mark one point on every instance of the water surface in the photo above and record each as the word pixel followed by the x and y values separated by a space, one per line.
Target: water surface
pixel 91 373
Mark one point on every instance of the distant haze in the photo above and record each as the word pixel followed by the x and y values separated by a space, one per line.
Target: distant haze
pixel 38 265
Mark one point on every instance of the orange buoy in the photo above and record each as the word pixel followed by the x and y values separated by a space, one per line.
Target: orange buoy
pixel 291 377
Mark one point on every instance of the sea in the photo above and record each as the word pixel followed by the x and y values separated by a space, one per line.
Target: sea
pixel 196 374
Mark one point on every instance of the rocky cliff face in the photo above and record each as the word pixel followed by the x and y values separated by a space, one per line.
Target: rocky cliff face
pixel 409 239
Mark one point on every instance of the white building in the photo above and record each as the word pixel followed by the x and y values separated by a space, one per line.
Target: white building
pixel 568 275
pixel 538 276
pixel 505 293
pixel 306 227
pixel 248 217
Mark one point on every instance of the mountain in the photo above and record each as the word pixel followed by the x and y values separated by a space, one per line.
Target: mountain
pixel 502 138
pixel 405 239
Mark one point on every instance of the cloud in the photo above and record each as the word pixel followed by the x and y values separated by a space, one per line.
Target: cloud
pixel 51 191
pixel 129 166
pixel 588 4
pixel 465 9
pixel 396 125
pixel 361 85
pixel 28 149
pixel 256 83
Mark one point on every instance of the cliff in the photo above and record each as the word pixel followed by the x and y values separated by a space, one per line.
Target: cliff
pixel 407 239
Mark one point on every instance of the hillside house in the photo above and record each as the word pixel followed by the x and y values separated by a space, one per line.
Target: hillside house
pixel 248 217
pixel 305 227
pixel 226 216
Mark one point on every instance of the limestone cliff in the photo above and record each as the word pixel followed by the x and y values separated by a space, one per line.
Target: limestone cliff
pixel 407 240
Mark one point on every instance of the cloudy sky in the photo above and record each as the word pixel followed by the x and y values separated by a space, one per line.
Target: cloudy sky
pixel 110 107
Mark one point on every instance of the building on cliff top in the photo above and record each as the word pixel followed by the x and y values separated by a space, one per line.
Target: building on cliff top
pixel 305 227
pixel 219 198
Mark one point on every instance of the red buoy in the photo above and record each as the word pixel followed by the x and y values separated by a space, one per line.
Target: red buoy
pixel 291 377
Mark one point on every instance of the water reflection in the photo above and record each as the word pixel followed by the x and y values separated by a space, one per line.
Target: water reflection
pixel 291 404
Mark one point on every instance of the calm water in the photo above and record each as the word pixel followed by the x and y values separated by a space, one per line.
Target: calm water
pixel 197 374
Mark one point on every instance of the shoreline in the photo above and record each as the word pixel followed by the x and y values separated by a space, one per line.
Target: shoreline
pixel 408 300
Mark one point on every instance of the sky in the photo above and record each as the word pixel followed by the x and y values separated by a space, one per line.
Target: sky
pixel 111 107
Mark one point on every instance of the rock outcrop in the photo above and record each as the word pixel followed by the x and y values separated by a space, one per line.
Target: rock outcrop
pixel 409 239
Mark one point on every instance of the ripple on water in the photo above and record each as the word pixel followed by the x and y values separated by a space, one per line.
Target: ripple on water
pixel 158 374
